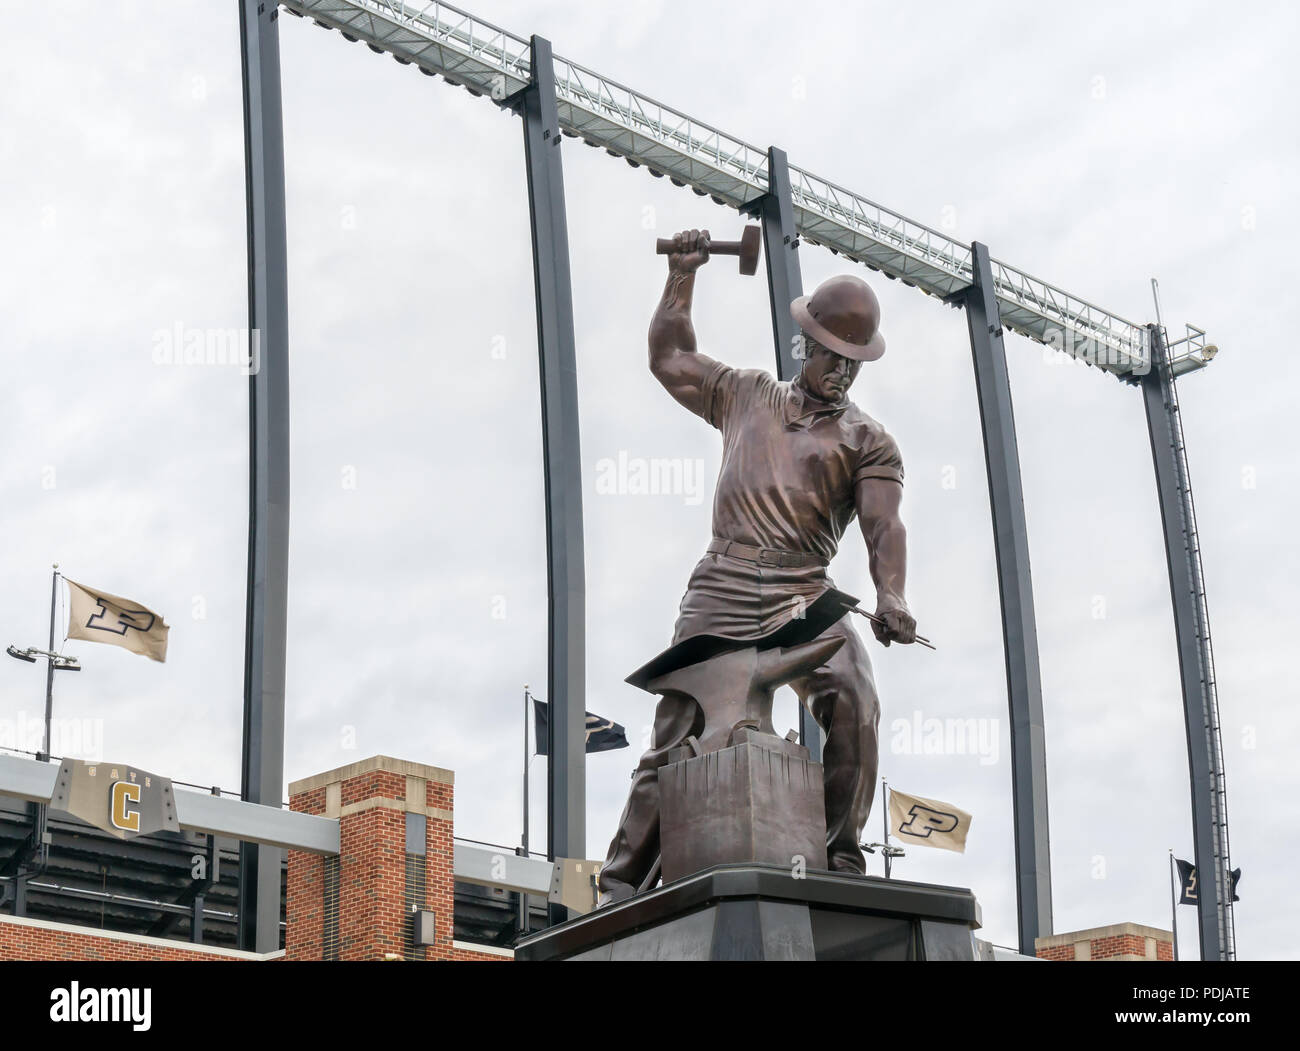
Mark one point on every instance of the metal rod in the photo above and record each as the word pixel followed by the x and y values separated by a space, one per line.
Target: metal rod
pixel 523 897
pixel 527 715
pixel 884 817
pixel 877 620
pixel 1173 900
pixel 49 672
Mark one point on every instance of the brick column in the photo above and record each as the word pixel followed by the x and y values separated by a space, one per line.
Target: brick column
pixel 358 906
pixel 304 904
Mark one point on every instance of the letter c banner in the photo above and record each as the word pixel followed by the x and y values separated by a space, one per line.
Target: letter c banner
pixel 125 792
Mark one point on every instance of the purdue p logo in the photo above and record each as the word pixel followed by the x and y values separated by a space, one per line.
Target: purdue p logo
pixel 123 813
pixel 109 618
pixel 929 822
pixel 923 820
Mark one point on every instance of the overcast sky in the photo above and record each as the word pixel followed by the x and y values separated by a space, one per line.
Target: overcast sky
pixel 1094 150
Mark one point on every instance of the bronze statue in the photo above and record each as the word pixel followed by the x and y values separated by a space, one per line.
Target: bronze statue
pixel 799 462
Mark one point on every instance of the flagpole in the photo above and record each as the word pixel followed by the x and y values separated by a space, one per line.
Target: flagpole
pixel 1173 903
pixel 49 670
pixel 884 817
pixel 526 706
pixel 523 898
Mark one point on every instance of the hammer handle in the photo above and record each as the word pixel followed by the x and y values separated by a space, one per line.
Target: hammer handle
pixel 664 246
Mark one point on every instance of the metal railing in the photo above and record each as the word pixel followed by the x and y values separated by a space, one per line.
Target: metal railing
pixel 488 60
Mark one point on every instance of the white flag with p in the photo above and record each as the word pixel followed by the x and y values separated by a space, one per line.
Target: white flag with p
pixel 97 616
pixel 928 822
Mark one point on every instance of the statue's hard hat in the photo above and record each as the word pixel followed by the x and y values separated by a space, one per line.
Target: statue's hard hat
pixel 844 316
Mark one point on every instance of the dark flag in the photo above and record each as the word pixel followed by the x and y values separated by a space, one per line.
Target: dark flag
pixel 1187 885
pixel 1187 879
pixel 602 734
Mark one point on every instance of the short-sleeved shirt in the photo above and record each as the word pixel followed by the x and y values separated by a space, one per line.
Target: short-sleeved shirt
pixel 790 462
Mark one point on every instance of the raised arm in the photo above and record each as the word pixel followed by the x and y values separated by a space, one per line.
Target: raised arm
pixel 673 358
pixel 878 500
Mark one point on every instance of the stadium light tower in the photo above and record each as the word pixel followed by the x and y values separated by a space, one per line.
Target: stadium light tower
pixel 1192 630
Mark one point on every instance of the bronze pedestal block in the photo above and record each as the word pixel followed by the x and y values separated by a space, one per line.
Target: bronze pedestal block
pixel 759 800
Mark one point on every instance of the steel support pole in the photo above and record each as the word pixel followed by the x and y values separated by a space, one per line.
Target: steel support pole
pixel 196 919
pixel 1170 484
pixel 781 250
pixel 262 777
pixel 784 284
pixel 566 675
pixel 1019 630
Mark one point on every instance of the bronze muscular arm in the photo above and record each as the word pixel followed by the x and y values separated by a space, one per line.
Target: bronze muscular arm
pixel 878 500
pixel 673 358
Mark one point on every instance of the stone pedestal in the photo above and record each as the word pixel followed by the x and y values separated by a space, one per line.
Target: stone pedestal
pixel 761 800
pixel 760 912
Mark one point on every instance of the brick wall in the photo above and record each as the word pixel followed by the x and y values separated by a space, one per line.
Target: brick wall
pixel 1056 952
pixel 26 939
pixel 1118 942
pixel 1118 945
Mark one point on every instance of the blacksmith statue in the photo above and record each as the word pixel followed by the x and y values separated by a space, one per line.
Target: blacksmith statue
pixel 799 462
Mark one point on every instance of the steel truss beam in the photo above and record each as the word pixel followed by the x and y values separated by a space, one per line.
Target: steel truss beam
pixel 488 60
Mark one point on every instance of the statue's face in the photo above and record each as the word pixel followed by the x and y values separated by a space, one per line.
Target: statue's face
pixel 826 374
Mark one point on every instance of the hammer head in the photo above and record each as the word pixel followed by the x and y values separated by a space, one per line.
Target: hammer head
pixel 750 242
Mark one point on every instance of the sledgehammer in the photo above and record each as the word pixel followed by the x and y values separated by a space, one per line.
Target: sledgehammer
pixel 747 248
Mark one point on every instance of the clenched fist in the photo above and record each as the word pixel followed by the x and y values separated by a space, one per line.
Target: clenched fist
pixel 899 626
pixel 690 251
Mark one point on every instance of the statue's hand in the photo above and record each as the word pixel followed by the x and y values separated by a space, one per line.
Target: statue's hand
pixel 899 625
pixel 690 251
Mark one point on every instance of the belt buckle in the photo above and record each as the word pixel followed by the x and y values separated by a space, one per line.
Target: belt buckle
pixel 768 557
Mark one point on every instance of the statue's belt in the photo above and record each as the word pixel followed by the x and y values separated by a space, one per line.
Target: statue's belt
pixel 765 556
